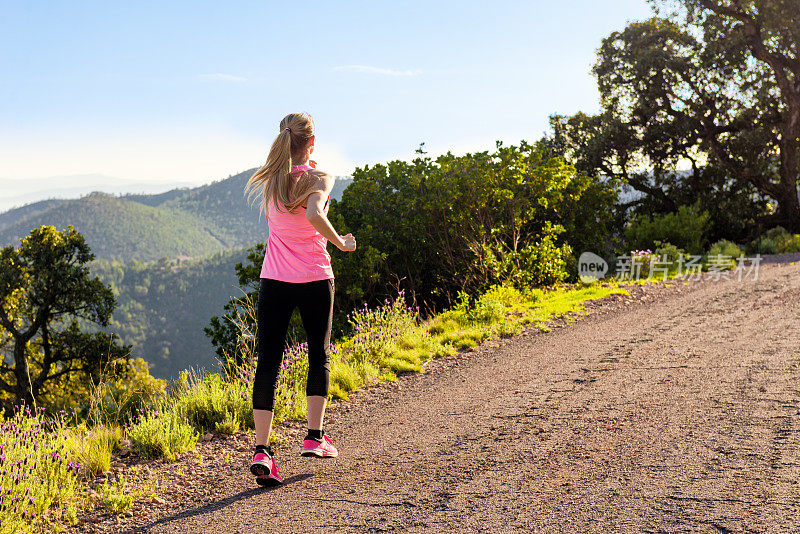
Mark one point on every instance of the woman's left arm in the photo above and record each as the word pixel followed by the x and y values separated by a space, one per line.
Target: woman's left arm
pixel 315 210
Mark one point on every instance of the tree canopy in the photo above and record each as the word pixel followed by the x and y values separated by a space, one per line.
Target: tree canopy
pixel 710 82
pixel 46 292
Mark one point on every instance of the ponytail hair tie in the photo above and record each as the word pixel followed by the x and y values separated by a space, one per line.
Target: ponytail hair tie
pixel 287 130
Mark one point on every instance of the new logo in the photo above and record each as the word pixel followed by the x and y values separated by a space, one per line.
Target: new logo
pixel 591 267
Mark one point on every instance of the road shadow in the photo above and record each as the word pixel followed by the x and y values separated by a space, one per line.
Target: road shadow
pixel 218 505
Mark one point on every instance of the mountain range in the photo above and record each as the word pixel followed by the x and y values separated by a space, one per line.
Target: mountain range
pixel 18 192
pixel 180 223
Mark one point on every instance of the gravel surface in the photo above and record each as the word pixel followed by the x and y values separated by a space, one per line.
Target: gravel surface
pixel 674 409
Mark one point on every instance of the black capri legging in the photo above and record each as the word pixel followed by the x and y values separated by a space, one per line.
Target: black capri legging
pixel 276 302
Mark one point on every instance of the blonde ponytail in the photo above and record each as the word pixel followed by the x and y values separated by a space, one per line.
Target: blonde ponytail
pixel 273 180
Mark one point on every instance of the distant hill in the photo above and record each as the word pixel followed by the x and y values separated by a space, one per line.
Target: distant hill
pixel 15 215
pixel 191 222
pixel 118 229
pixel 18 192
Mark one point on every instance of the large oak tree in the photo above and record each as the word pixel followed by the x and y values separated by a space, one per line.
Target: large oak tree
pixel 45 290
pixel 712 82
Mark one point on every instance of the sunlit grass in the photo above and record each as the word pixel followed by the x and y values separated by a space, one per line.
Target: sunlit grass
pixel 93 448
pixel 38 476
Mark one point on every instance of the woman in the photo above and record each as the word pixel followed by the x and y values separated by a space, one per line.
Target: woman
pixel 296 273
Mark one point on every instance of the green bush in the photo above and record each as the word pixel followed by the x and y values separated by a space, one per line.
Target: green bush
pixel 116 397
pixel 764 246
pixel 92 448
pixel 541 263
pixel 211 403
pixel 793 244
pixel 724 253
pixel 684 228
pixel 38 476
pixel 775 241
pixel 116 496
pixel 725 248
pixel 669 252
pixel 162 433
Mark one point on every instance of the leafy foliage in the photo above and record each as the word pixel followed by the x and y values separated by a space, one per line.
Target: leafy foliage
pixel 725 248
pixel 45 289
pixel 162 433
pixel 435 228
pixel 708 83
pixel 37 477
pixel 684 228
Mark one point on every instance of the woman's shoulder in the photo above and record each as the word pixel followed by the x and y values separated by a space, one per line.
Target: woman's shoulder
pixel 323 179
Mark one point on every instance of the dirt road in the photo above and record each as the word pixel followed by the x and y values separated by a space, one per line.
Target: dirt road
pixel 676 414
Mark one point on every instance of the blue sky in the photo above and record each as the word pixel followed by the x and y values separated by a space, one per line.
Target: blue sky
pixel 193 91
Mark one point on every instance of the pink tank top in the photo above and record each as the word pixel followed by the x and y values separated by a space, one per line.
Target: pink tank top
pixel 296 252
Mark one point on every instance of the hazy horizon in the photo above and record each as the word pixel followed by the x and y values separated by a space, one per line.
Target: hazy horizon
pixel 35 192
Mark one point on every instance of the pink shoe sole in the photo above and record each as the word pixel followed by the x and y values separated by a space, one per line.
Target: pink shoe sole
pixel 265 469
pixel 260 469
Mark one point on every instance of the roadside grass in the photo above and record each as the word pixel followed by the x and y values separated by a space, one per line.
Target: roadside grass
pixel 116 496
pixel 162 432
pixel 500 312
pixel 207 402
pixel 92 448
pixel 37 477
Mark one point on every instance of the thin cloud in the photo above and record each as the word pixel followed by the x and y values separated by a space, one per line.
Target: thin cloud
pixel 219 76
pixel 377 70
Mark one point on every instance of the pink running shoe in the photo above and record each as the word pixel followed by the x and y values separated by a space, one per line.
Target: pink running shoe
pixel 265 468
pixel 320 449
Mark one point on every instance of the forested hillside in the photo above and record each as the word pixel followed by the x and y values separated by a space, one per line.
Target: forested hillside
pixel 118 229
pixel 179 223
pixel 163 306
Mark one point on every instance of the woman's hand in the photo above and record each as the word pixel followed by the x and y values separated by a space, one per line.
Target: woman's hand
pixel 348 243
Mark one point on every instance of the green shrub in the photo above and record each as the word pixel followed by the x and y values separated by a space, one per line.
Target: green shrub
pixel 38 477
pixel 115 399
pixel 541 263
pixel 724 254
pixel 230 424
pixel 210 402
pixel 116 496
pixel 669 253
pixel 766 246
pixel 92 448
pixel 162 433
pixel 775 241
pixel 792 244
pixel 725 248
pixel 780 237
pixel 684 228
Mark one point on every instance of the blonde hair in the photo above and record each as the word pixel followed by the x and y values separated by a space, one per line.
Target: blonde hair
pixel 273 180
